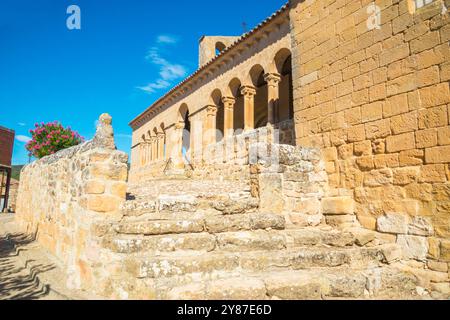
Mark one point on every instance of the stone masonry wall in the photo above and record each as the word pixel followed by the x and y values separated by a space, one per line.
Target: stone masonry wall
pixel 371 89
pixel 63 197
pixel 289 180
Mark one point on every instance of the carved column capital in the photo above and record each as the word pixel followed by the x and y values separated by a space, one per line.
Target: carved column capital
pixel 228 102
pixel 179 125
pixel 248 91
pixel 272 79
pixel 211 110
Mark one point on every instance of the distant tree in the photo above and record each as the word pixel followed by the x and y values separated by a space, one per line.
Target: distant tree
pixel 49 138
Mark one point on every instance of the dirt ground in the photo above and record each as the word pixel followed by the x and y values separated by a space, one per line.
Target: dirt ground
pixel 26 271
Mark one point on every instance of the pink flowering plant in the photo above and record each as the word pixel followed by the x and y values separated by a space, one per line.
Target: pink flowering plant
pixel 49 138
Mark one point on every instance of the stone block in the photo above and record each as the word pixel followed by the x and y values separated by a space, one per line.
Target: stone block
pixel 445 251
pixel 270 192
pixel 119 189
pixel 377 178
pixel 426 138
pixel 362 148
pixel 420 226
pixel 341 221
pixel 406 175
pixel 400 142
pixel 411 157
pixel 413 247
pixel 406 122
pixel 443 136
pixel 372 112
pixel 435 95
pixel 433 173
pixel 433 117
pixel 337 206
pixel 437 154
pixel 102 203
pixel 395 223
pixel 94 187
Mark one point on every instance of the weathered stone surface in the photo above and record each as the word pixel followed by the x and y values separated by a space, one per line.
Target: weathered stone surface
pixel 414 247
pixel 342 221
pixel 337 206
pixel 312 237
pixel 270 192
pixel 200 241
pixel 245 241
pixel 362 236
pixel 161 227
pixel 420 226
pixel 293 286
pixel 393 223
pixel 177 203
pixel 392 253
pixel 236 207
pixel 242 289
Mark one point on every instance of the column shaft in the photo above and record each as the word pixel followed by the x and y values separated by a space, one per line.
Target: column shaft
pixel 273 80
pixel 228 104
pixel 249 93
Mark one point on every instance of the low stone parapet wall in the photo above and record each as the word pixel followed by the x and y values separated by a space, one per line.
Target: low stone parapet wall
pixel 63 197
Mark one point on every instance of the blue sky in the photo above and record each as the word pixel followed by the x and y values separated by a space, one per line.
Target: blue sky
pixel 126 55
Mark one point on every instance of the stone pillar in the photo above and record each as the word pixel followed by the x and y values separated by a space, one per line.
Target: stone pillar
pixel 273 94
pixel 178 153
pixel 154 146
pixel 141 153
pixel 210 129
pixel 228 104
pixel 161 138
pixel 249 93
pixel 148 153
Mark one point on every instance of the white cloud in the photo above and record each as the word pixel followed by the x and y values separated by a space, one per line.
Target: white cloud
pixel 24 139
pixel 22 124
pixel 166 39
pixel 167 71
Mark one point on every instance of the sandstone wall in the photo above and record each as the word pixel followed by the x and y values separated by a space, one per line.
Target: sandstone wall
pixel 64 196
pixel 289 180
pixel 377 102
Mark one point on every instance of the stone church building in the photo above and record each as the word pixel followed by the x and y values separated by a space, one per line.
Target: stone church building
pixel 306 159
pixel 366 82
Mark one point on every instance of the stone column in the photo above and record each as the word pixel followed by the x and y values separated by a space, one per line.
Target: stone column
pixel 154 146
pixel 273 94
pixel 148 147
pixel 249 93
pixel 178 154
pixel 228 104
pixel 161 138
pixel 141 153
pixel 210 129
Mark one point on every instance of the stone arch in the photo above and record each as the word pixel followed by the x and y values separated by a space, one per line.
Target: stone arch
pixel 219 47
pixel 234 90
pixel 216 100
pixel 256 79
pixel 183 118
pixel 163 141
pixel 283 66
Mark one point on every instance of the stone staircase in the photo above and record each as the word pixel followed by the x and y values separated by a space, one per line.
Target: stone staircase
pixel 187 239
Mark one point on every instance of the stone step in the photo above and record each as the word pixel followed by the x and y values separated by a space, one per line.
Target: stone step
pixel 181 263
pixel 189 203
pixel 228 241
pixel 209 223
pixel 341 283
